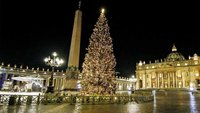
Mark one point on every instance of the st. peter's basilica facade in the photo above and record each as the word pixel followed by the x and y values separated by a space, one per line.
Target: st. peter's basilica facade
pixel 175 71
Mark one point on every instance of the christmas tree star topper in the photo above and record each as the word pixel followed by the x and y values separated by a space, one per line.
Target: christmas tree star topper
pixel 102 10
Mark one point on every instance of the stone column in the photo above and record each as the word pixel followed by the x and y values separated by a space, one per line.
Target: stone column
pixel 137 82
pixel 150 80
pixel 156 80
pixel 173 80
pixel 176 80
pixel 162 80
pixel 61 84
pixel 64 83
pixel 143 81
pixel 47 81
pixel 168 80
pixel 57 83
pixel 158 76
pixel 183 79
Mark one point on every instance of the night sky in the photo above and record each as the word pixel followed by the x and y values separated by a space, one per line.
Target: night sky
pixel 32 30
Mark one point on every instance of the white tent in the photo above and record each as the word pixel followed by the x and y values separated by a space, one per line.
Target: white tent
pixel 26 79
pixel 31 82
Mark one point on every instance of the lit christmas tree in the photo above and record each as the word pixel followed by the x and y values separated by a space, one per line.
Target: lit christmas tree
pixel 98 73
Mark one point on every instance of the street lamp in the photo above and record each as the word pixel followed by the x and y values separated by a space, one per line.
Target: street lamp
pixel 53 62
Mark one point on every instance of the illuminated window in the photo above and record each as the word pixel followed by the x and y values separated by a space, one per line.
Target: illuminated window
pixel 186 64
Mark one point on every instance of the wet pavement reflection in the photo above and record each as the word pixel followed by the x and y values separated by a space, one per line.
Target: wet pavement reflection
pixel 164 102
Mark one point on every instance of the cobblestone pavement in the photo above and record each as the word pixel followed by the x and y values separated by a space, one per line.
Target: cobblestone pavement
pixel 165 102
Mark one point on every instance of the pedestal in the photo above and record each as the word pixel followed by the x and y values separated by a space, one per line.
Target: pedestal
pixel 50 89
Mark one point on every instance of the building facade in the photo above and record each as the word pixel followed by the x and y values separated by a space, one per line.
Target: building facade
pixel 172 72
pixel 37 79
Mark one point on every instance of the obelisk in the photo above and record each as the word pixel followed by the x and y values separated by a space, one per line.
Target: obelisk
pixel 74 54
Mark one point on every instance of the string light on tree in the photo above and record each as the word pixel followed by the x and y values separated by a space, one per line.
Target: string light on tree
pixel 98 69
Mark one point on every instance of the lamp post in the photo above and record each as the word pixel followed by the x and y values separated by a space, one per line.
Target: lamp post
pixel 53 62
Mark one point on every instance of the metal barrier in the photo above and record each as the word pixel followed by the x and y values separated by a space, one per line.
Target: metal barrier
pixel 71 99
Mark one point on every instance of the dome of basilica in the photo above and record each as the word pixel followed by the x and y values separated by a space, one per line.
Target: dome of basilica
pixel 174 55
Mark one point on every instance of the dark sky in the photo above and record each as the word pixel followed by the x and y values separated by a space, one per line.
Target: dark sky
pixel 32 30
